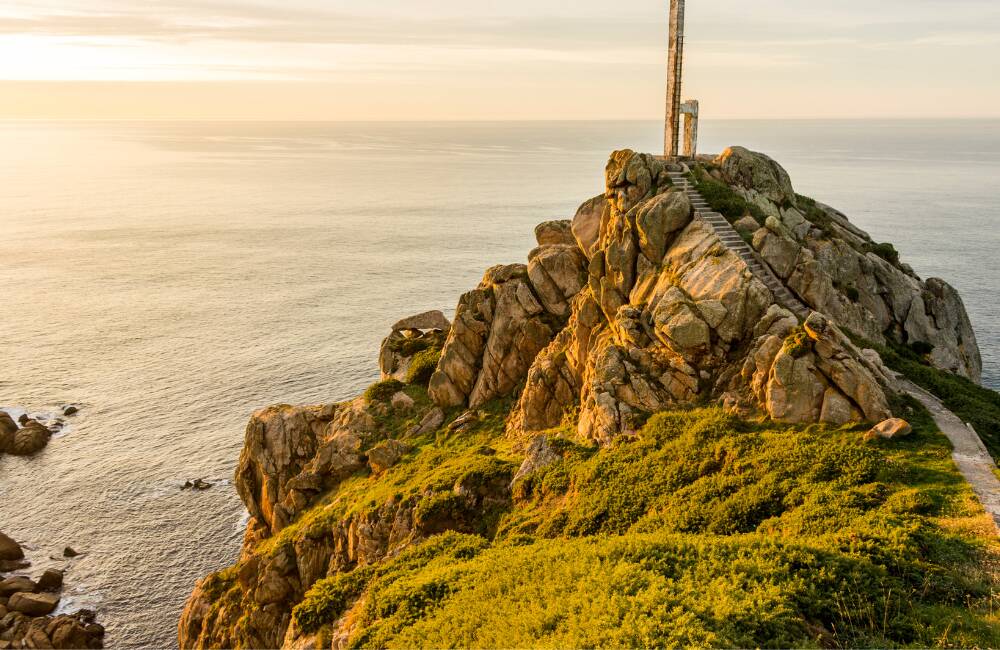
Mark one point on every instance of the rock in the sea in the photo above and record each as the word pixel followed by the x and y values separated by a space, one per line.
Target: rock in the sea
pixel 24 419
pixel 429 320
pixel 197 484
pixel 51 580
pixel 33 604
pixel 890 429
pixel 14 584
pixel 7 430
pixel 70 409
pixel 9 549
pixel 70 552
pixel 30 439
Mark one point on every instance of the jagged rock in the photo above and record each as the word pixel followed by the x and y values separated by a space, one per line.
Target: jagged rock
pixel 385 455
pixel 796 390
pixel 757 172
pixel 557 273
pixel 890 429
pixel 777 248
pixel 586 225
pixel 400 347
pixel 555 233
pixel 8 428
pixel 429 320
pixel 51 580
pixel 432 421
pixel 499 329
pixel 540 454
pixel 9 549
pixel 746 226
pixel 32 604
pixel 315 447
pixel 30 439
pixel 402 402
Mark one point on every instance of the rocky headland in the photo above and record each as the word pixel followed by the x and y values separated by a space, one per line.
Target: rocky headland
pixel 659 400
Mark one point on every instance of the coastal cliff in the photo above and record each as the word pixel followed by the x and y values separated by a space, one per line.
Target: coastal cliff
pixel 630 440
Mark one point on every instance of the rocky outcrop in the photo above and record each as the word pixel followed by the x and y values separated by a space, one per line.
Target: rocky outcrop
pixel 9 549
pixel 636 306
pixel 836 269
pixel 292 454
pixel 251 606
pixel 498 330
pixel 409 337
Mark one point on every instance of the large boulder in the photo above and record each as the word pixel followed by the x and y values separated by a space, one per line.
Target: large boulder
pixel 30 439
pixel 586 226
pixel 32 604
pixel 555 233
pixel 8 427
pixel 758 172
pixel 14 584
pixel 9 549
pixel 428 320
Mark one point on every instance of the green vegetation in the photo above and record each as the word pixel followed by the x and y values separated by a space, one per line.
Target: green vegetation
pixel 798 343
pixel 422 366
pixel 721 198
pixel 704 530
pixel 382 391
pixel 886 251
pixel 976 405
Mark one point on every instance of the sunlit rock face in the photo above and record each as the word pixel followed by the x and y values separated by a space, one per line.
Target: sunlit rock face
pixel 637 306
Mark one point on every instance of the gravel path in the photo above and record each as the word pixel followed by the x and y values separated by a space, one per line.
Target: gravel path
pixel 970 454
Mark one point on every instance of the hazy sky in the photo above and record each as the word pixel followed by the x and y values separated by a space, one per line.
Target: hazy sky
pixel 494 59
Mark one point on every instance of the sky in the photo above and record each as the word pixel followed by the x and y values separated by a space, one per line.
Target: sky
pixel 494 59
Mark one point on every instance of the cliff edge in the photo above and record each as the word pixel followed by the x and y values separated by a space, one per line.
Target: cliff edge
pixel 635 411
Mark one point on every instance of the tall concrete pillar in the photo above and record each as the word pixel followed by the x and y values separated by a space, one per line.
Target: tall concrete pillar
pixel 675 69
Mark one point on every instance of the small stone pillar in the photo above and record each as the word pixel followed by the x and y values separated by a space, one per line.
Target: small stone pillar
pixel 689 110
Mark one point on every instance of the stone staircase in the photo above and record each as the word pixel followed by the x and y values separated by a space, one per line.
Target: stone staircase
pixel 735 243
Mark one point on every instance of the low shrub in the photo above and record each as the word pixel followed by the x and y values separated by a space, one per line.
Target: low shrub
pixel 886 251
pixel 422 366
pixel 723 199
pixel 383 391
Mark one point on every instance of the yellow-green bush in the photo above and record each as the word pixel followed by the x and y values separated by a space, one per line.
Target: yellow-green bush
pixel 705 530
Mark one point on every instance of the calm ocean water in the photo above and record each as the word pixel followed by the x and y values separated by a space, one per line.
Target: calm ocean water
pixel 173 277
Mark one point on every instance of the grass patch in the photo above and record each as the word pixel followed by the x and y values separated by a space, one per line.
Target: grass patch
pixel 723 199
pixel 382 391
pixel 975 404
pixel 705 530
pixel 422 366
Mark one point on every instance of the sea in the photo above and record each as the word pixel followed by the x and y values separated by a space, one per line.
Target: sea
pixel 169 278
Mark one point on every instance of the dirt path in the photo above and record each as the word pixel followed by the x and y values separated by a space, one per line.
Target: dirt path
pixel 970 454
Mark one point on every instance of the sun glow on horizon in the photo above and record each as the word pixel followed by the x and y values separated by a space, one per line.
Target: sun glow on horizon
pixel 540 59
